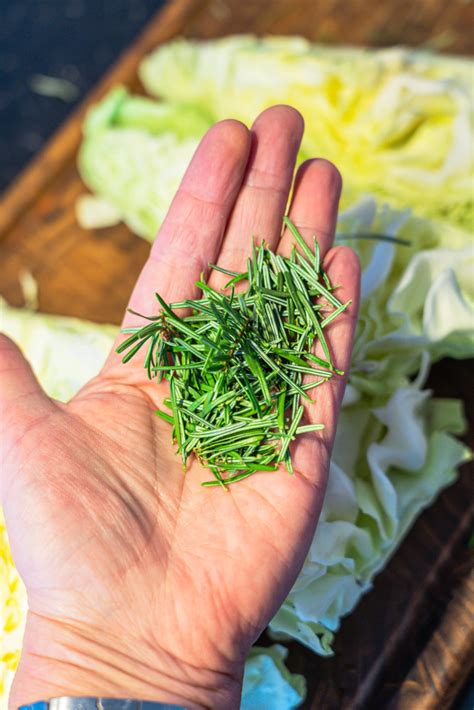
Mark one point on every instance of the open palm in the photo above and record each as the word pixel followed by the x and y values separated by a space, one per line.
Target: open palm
pixel 142 583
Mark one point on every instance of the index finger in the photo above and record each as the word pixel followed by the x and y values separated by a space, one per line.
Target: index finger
pixel 192 231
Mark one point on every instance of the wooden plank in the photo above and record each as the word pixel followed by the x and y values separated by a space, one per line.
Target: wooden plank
pixel 38 227
pixel 407 643
pixel 448 659
pixel 385 646
pixel 64 144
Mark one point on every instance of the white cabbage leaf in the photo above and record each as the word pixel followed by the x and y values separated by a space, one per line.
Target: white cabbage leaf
pixel 435 296
pixel 94 212
pixel 268 683
pixel 417 301
pixel 64 352
pixel 134 153
pixel 397 122
pixel 389 462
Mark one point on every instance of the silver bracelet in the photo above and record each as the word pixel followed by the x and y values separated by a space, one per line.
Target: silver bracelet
pixel 98 704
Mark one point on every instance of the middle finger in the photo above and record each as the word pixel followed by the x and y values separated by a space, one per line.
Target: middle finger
pixel 258 211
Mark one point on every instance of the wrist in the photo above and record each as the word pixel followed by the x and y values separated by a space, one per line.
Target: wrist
pixel 61 659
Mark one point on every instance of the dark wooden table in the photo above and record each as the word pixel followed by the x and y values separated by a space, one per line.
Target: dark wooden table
pixel 410 642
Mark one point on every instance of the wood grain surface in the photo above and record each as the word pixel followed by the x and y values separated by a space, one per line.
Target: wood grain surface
pixel 410 642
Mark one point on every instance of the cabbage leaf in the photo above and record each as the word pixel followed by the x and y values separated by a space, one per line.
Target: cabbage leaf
pixel 397 122
pixel 268 683
pixel 389 462
pixel 133 156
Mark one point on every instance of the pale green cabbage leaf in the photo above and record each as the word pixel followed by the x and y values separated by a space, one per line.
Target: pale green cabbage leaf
pixel 389 462
pixel 435 296
pixel 417 301
pixel 64 352
pixel 268 683
pixel 397 122
pixel 133 156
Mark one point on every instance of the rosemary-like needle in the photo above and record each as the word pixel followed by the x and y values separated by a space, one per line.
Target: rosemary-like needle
pixel 238 364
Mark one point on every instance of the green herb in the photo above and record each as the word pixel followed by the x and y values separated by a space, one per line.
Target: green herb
pixel 373 236
pixel 237 365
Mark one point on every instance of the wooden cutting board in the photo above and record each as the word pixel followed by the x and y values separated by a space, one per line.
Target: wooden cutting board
pixel 410 642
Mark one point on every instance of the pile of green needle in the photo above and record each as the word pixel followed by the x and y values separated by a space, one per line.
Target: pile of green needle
pixel 240 364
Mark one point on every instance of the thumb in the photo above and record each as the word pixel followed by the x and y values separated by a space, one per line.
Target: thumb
pixel 22 401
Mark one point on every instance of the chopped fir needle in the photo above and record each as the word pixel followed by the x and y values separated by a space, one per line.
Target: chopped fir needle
pixel 239 365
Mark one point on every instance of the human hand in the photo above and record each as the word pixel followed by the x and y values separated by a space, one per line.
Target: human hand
pixel 141 583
